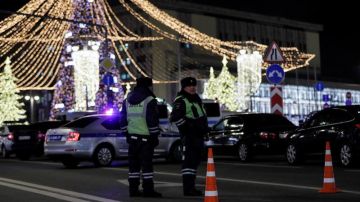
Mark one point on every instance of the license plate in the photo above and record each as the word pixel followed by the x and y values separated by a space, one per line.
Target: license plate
pixel 54 137
pixel 24 137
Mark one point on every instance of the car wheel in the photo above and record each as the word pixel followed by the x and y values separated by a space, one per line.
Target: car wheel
pixel 346 155
pixel 176 153
pixel 244 152
pixel 70 162
pixel 4 153
pixel 103 156
pixel 293 154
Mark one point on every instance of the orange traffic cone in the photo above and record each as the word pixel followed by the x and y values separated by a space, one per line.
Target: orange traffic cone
pixel 329 180
pixel 211 194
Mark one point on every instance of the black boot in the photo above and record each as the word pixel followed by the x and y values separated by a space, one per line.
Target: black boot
pixel 134 187
pixel 148 186
pixel 189 186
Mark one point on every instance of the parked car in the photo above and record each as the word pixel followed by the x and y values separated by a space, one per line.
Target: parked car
pixel 339 125
pixel 248 134
pixel 30 139
pixel 7 138
pixel 212 109
pixel 98 138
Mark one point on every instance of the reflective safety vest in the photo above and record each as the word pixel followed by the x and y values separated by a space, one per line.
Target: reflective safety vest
pixel 136 117
pixel 190 108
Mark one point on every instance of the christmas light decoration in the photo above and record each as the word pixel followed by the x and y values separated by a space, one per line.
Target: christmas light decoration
pixel 211 87
pixel 249 76
pixel 11 109
pixel 223 88
pixel 37 43
pixel 86 78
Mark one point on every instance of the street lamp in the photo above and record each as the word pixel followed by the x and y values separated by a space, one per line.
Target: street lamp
pixel 32 99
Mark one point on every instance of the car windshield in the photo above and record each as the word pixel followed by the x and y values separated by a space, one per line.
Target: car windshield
pixel 17 127
pixel 254 120
pixel 81 122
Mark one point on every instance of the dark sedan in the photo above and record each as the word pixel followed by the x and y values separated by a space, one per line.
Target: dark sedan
pixel 249 134
pixel 339 125
pixel 29 140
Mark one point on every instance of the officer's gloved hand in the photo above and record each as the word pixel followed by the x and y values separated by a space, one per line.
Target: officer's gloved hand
pixel 154 140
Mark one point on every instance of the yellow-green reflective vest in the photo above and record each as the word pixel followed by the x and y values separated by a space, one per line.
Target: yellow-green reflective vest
pixel 136 117
pixel 188 111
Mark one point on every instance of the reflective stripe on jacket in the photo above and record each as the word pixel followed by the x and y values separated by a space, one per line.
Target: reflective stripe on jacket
pixel 189 112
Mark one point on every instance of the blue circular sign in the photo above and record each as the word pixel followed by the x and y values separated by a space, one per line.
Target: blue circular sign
pixel 275 74
pixel 319 86
pixel 108 79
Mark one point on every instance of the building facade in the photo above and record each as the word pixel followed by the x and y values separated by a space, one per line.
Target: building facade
pixel 171 60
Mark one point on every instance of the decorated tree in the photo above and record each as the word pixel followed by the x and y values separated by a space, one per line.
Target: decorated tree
pixel 226 88
pixel 88 78
pixel 11 109
pixel 211 87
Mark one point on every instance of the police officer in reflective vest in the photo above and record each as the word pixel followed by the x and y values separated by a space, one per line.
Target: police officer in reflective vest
pixel 189 116
pixel 140 121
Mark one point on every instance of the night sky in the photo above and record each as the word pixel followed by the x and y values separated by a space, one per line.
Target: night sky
pixel 340 40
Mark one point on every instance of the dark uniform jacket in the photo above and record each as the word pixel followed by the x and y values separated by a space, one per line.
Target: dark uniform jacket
pixel 197 127
pixel 152 115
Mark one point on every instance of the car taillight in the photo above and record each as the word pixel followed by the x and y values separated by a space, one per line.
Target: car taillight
pixel 357 125
pixel 73 136
pixel 40 136
pixel 265 135
pixel 10 136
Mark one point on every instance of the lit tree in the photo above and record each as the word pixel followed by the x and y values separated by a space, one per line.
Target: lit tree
pixel 211 87
pixel 84 62
pixel 226 88
pixel 10 106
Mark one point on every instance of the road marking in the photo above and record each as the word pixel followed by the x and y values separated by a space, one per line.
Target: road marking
pixel 45 193
pixel 49 191
pixel 258 165
pixel 225 179
pixel 156 183
pixel 351 170
pixel 247 181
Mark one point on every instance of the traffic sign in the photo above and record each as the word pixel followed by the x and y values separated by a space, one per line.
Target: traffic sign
pixel 319 86
pixel 348 100
pixel 348 95
pixel 326 105
pixel 275 74
pixel 276 100
pixel 108 79
pixel 326 98
pixel 274 54
pixel 107 63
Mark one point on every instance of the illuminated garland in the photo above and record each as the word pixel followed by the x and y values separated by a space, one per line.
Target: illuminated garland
pixel 35 44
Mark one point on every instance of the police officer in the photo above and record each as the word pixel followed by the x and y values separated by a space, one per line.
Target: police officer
pixel 140 121
pixel 189 116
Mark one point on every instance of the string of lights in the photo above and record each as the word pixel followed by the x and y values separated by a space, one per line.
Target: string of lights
pixel 35 44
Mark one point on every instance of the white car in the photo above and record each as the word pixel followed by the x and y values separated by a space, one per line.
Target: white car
pixel 98 138
pixel 7 135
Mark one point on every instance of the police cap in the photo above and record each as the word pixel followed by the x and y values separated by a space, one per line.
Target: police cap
pixel 188 81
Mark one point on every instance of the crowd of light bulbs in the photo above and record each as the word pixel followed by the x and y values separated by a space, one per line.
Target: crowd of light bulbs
pixel 35 44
